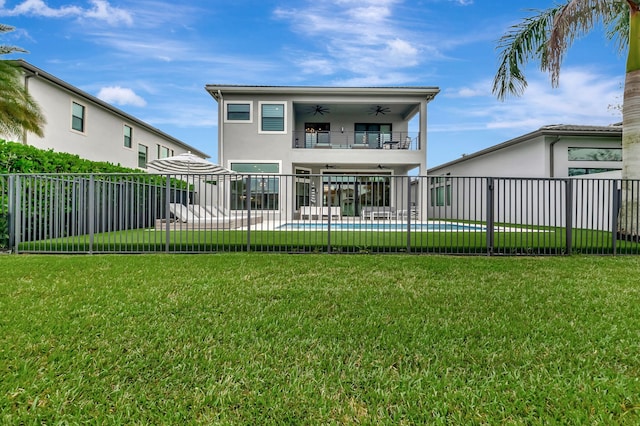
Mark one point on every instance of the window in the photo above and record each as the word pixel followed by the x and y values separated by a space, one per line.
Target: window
pixel 77 117
pixel 303 188
pixel 238 112
pixel 128 136
pixel 256 167
pixel 372 134
pixel 262 190
pixel 441 191
pixel 595 154
pixel 164 152
pixel 143 153
pixel 272 118
pixel 579 171
pixel 316 133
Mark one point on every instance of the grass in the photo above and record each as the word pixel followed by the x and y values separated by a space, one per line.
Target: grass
pixel 316 339
pixel 526 241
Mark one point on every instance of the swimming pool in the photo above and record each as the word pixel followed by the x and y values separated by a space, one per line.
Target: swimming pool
pixel 388 227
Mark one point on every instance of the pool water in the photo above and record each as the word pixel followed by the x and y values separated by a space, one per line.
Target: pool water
pixel 400 227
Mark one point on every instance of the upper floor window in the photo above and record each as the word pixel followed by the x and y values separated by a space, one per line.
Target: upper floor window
pixel 128 136
pixel 143 154
pixel 272 117
pixel 238 112
pixel 595 154
pixel 77 117
pixel 164 152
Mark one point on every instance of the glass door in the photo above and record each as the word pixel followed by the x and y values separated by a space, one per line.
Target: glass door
pixel 352 193
pixel 372 134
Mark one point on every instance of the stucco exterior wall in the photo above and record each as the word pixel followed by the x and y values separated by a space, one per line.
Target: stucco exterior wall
pixel 103 135
pixel 542 156
pixel 523 160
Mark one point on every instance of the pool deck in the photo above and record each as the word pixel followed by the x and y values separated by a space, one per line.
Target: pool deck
pixel 356 224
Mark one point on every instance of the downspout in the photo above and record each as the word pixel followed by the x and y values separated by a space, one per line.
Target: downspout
pixel 27 76
pixel 220 128
pixel 551 156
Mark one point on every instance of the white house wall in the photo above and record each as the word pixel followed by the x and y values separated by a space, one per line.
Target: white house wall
pixel 530 202
pixel 524 160
pixel 103 136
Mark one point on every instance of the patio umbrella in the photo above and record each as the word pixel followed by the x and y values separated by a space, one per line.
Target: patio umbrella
pixel 312 195
pixel 187 163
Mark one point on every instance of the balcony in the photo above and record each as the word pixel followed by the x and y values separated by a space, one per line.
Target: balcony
pixel 356 140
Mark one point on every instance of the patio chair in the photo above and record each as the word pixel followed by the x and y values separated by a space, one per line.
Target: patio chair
pixel 198 218
pixel 405 144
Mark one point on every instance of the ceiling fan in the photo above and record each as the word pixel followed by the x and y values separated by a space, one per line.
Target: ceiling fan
pixel 319 109
pixel 379 110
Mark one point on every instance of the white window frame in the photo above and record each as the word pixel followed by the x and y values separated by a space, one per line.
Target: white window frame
pixel 159 150
pixel 125 125
pixel 281 187
pixel 284 112
pixel 146 155
pixel 226 103
pixel 85 111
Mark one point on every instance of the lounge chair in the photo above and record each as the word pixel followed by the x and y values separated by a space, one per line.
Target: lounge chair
pixel 319 212
pixel 198 217
pixel 377 212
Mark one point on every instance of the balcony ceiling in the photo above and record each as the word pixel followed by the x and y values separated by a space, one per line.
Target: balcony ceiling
pixel 337 109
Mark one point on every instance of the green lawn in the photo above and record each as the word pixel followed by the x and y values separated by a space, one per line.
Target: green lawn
pixel 525 241
pixel 319 339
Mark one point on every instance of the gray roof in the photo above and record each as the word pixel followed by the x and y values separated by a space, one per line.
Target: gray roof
pixel 613 130
pixel 45 75
pixel 428 92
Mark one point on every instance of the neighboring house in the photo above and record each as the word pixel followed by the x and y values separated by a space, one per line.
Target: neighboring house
pixel 578 157
pixel 327 131
pixel 551 151
pixel 79 123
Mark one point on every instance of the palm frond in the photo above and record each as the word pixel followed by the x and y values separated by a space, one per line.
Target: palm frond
pixel 617 26
pixel 18 110
pixel 573 20
pixel 524 41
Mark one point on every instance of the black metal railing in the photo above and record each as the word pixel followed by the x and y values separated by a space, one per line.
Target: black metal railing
pixel 356 140
pixel 134 213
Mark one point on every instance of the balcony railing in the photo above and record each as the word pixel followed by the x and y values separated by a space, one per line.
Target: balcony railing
pixel 356 140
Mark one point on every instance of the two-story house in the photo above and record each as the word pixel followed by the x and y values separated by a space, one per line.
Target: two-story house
pixel 341 136
pixel 79 123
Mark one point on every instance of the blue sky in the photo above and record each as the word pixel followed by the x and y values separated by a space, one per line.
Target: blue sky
pixel 152 59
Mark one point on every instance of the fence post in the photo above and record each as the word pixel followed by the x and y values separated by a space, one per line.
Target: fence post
pixel 409 212
pixel 247 194
pixel 91 211
pixel 615 208
pixel 167 214
pixel 569 215
pixel 11 213
pixel 490 218
pixel 329 218
pixel 17 213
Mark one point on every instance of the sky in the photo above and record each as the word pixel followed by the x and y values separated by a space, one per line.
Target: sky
pixel 153 58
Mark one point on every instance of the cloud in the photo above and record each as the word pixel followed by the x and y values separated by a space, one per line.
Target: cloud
pixel 100 10
pixel 360 40
pixel 584 97
pixel 121 96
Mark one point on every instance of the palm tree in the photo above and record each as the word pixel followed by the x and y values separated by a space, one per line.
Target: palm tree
pixel 546 36
pixel 19 112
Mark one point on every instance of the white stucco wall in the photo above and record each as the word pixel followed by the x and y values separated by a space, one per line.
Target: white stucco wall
pixel 103 136
pixel 525 160
pixel 531 158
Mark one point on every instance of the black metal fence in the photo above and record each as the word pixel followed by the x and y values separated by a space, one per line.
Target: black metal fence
pixel 356 213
